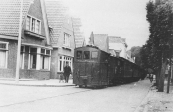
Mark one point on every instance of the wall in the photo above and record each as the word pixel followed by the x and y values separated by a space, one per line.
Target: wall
pixel 35 11
pixel 67 28
pixel 54 64
pixel 11 60
pixel 35 74
pixel 9 72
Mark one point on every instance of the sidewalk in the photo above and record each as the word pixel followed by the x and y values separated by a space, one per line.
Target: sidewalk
pixel 34 82
pixel 157 101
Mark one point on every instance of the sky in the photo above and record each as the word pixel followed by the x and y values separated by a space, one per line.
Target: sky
pixel 122 18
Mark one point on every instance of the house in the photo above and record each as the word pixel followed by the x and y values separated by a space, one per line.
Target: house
pixel 114 45
pixel 129 56
pixel 118 46
pixel 100 40
pixel 36 49
pixel 61 35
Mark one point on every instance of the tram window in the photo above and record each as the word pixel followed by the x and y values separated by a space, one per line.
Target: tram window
pixel 79 55
pixel 94 55
pixel 86 55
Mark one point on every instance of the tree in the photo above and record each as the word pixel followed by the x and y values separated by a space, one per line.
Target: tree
pixel 135 52
pixel 157 47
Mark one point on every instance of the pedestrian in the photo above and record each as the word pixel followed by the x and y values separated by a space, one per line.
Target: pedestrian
pixel 166 74
pixel 151 77
pixel 154 77
pixel 67 72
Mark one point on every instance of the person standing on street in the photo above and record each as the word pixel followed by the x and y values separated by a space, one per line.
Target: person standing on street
pixel 151 77
pixel 67 72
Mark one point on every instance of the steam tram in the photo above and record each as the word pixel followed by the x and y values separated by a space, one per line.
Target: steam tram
pixel 96 68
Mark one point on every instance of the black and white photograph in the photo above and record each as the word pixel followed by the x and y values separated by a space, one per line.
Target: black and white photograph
pixel 86 55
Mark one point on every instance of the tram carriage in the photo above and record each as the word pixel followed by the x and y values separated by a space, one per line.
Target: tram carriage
pixel 90 67
pixel 94 67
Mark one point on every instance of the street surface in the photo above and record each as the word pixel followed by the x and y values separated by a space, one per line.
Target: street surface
pixel 121 98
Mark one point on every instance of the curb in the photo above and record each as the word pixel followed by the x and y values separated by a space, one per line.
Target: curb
pixel 37 85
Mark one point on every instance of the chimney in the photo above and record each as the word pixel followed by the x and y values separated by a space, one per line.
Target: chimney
pixel 92 39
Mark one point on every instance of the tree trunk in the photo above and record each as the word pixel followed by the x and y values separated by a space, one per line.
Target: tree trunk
pixel 162 77
pixel 157 78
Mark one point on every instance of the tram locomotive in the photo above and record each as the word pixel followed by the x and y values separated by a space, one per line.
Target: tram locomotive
pixel 96 68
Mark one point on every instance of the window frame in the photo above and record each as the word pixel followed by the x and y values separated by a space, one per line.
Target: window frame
pixel 77 54
pixel 6 53
pixel 22 56
pixel 35 24
pixel 62 59
pixel 92 54
pixel 45 55
pixel 66 42
pixel 30 54
pixel 88 55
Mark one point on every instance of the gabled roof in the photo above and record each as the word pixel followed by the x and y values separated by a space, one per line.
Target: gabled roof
pixel 78 35
pixel 10 15
pixel 56 14
pixel 115 39
pixel 100 40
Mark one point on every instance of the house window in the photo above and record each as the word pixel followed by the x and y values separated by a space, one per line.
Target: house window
pixel 45 59
pixel 62 62
pixel 3 54
pixel 33 24
pixel 33 58
pixel 28 21
pixel 22 50
pixel 66 40
pixel 60 65
pixel 37 27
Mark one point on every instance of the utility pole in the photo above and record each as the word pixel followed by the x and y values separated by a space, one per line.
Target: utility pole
pixel 19 43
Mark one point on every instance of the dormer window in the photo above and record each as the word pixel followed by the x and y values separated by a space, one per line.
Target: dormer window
pixel 33 25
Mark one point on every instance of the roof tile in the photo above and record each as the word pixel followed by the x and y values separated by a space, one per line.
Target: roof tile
pixel 56 13
pixel 115 39
pixel 10 14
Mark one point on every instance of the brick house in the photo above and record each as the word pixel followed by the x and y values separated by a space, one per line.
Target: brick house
pixel 35 44
pixel 61 35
